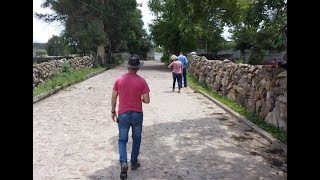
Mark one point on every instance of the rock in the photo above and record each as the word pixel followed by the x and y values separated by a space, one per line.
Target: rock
pixel 282 124
pixel 225 80
pixel 282 83
pixel 270 84
pixel 258 106
pixel 229 87
pixel 267 107
pixel 208 80
pixel 251 105
pixel 243 79
pixel 252 68
pixel 271 96
pixel 202 80
pixel 216 86
pixel 282 75
pixel 271 120
pixel 239 89
pixel 241 99
pixel 232 94
pixel 243 65
pixel 277 91
pixel 281 99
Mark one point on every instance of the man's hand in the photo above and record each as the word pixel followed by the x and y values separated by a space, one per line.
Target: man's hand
pixel 113 104
pixel 114 116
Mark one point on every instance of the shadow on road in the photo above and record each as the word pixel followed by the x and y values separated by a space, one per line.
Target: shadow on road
pixel 155 67
pixel 199 149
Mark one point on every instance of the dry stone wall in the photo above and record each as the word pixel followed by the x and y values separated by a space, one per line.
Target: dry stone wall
pixel 46 70
pixel 261 89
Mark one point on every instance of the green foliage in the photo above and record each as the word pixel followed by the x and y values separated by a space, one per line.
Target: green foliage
pixel 256 56
pixel 66 67
pixel 238 61
pixel 114 25
pixel 40 53
pixel 157 49
pixel 276 132
pixel 186 25
pixel 56 46
pixel 191 24
pixel 228 45
pixel 118 59
pixel 262 25
pixel 165 57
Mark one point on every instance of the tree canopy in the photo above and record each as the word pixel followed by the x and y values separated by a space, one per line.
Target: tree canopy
pixel 101 26
pixel 191 24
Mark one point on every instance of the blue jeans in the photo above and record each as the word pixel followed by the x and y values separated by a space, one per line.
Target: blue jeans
pixel 127 120
pixel 177 77
pixel 184 72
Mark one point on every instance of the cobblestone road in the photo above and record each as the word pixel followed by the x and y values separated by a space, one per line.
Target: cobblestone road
pixel 185 136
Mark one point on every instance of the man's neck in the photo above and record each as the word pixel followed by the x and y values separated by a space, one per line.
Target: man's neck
pixel 132 72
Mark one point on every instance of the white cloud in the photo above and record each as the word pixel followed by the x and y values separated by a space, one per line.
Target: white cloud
pixel 43 31
pixel 225 33
pixel 147 17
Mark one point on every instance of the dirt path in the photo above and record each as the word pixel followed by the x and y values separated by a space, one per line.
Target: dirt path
pixel 185 136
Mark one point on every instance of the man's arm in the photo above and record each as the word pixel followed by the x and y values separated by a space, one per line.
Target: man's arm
pixel 146 98
pixel 114 98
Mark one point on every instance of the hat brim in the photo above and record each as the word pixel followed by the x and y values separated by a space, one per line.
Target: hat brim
pixel 138 66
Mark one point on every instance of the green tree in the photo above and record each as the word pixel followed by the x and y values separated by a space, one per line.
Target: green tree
pixel 93 25
pixel 189 24
pixel 56 46
pixel 186 25
pixel 261 26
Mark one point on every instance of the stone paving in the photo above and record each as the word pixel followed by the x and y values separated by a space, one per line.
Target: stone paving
pixel 185 136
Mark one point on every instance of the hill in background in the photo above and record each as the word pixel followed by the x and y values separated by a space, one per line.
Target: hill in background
pixel 38 45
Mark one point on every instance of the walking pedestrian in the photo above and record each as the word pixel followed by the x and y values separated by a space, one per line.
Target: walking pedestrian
pixel 176 72
pixel 183 59
pixel 132 91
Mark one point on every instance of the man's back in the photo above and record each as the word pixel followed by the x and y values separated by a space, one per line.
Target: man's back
pixel 130 88
pixel 183 60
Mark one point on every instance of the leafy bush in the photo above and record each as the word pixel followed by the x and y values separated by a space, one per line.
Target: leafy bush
pixel 66 67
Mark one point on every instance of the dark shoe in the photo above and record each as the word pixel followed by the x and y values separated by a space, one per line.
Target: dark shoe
pixel 135 165
pixel 172 90
pixel 124 169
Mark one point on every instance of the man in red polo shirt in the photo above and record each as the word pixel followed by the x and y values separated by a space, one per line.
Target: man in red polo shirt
pixel 132 90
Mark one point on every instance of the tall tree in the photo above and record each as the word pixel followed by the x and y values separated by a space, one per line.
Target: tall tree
pixel 261 26
pixel 56 46
pixel 185 25
pixel 94 24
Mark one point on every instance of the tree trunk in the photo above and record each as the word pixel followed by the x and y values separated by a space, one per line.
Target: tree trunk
pixel 206 48
pixel 101 54
pixel 110 52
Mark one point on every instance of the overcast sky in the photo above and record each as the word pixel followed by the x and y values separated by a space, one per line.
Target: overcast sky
pixel 43 31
